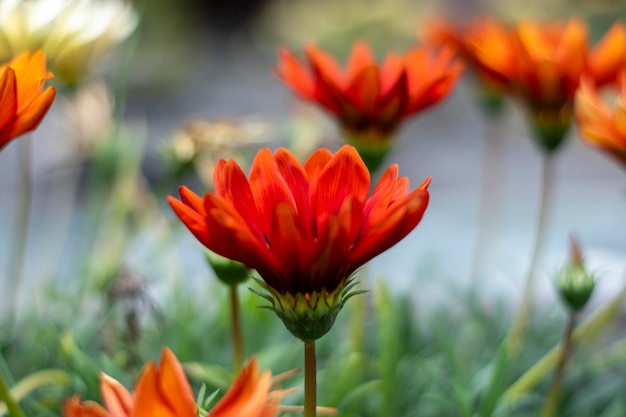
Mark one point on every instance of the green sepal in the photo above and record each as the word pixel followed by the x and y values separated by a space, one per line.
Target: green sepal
pixel 307 316
pixel 550 127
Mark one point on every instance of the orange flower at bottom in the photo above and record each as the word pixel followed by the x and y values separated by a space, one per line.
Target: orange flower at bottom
pixel 23 100
pixel 601 124
pixel 164 391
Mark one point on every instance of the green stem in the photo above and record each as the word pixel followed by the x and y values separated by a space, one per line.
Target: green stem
pixel 587 331
pixel 12 405
pixel 489 194
pixel 310 379
pixel 19 244
pixel 554 393
pixel 521 320
pixel 236 327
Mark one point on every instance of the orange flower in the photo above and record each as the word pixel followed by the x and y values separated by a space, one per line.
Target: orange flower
pixel 546 65
pixel 23 100
pixel 305 229
pixel 165 392
pixel 370 100
pixel 602 124
pixel 483 40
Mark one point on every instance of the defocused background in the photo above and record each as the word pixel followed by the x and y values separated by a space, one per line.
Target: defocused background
pixel 207 66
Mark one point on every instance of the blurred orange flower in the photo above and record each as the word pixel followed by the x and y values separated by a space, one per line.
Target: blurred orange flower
pixel 602 124
pixel 481 41
pixel 304 228
pixel 547 62
pixel 165 392
pixel 370 100
pixel 24 101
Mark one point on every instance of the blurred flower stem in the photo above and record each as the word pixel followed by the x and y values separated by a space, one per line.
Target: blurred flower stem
pixel 491 190
pixel 551 405
pixel 19 242
pixel 588 331
pixel 104 169
pixel 5 395
pixel 236 325
pixel 310 379
pixel 521 320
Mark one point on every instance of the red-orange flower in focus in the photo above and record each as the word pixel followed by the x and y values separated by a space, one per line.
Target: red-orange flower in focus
pixel 600 123
pixel 370 100
pixel 164 391
pixel 23 100
pixel 548 61
pixel 304 228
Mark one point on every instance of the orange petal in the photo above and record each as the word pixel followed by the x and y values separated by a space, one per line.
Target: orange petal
pixel 294 74
pixel 360 59
pixel 75 408
pixel 345 174
pixel 119 402
pixel 249 395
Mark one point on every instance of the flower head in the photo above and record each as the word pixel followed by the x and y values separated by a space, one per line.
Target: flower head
pixel 546 65
pixel 304 228
pixel 603 124
pixel 24 102
pixel 482 39
pixel 165 392
pixel 74 34
pixel 370 100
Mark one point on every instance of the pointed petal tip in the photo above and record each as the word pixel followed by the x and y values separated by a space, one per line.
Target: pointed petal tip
pixel 426 183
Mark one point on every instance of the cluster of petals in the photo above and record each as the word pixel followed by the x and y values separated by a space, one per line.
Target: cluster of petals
pixel 602 123
pixel 369 97
pixel 74 34
pixel 23 99
pixel 540 61
pixel 165 392
pixel 304 228
pixel 482 40
pixel 549 58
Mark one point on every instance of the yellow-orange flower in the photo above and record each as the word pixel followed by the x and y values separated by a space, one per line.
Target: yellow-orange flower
pixel 23 100
pixel 546 65
pixel 164 391
pixel 600 123
pixel 304 228
pixel 481 41
pixel 370 100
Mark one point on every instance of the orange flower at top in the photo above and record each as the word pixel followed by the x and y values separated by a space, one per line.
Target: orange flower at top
pixel 23 100
pixel 304 228
pixel 370 100
pixel 481 40
pixel 546 65
pixel 600 123
pixel 165 392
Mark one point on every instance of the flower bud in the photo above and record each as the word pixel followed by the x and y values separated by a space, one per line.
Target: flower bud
pixel 575 284
pixel 228 271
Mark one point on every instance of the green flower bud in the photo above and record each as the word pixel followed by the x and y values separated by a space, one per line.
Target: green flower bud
pixel 228 271
pixel 575 284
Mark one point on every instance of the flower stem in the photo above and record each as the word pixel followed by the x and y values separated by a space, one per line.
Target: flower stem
pixel 19 246
pixel 589 331
pixel 520 322
pixel 550 407
pixel 7 398
pixel 491 188
pixel 310 379
pixel 236 325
